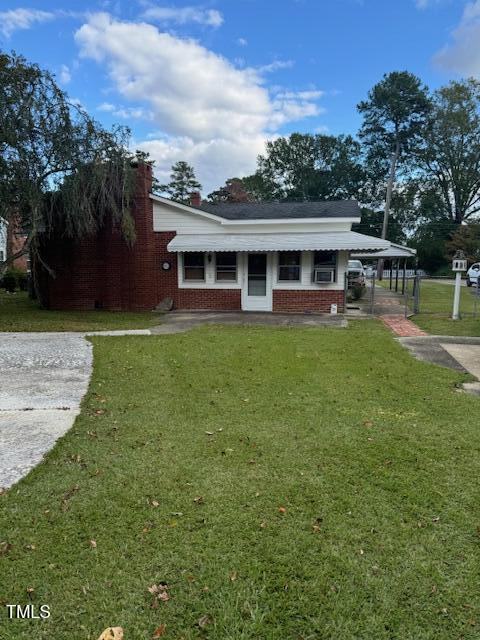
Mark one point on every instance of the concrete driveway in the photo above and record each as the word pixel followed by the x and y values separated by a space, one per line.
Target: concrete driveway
pixel 43 377
pixel 455 352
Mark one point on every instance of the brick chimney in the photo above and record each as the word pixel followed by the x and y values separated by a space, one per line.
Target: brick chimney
pixel 195 199
pixel 144 177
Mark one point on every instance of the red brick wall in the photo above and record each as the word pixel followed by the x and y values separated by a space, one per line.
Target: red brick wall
pixel 167 283
pixel 307 300
pixel 101 270
pixel 218 299
pixel 15 241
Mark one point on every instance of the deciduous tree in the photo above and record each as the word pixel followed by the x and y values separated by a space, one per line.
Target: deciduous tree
pixel 449 156
pixel 312 167
pixel 57 165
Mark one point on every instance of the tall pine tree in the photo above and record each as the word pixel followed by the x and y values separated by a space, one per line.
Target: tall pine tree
pixel 182 182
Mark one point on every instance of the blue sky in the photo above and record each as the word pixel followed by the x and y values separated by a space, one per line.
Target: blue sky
pixel 210 82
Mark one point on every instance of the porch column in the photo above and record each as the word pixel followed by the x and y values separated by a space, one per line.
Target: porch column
pixel 404 275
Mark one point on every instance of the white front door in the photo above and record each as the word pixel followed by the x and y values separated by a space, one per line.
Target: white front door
pixel 257 282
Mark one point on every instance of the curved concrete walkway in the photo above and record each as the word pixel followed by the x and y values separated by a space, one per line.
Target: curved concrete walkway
pixel 43 378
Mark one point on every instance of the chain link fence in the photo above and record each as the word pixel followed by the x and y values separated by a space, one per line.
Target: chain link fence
pixel 435 297
pixel 416 294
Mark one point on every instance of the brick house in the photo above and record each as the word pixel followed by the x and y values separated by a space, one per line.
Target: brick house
pixel 12 240
pixel 241 256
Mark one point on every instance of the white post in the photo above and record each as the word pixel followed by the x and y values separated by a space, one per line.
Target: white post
pixel 456 297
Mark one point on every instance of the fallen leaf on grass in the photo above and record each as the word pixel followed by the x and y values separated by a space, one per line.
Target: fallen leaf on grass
pixel 93 544
pixel 160 592
pixel 368 423
pixel 282 510
pixel 199 500
pixel 4 547
pixel 154 503
pixel 204 620
pixel 70 492
pixel 112 633
pixel 30 547
pixel 317 525
pixel 233 576
pixel 159 631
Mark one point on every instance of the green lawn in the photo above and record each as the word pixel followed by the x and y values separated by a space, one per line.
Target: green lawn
pixel 286 483
pixel 19 313
pixel 436 302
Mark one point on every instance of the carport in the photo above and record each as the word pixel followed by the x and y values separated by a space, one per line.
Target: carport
pixel 398 256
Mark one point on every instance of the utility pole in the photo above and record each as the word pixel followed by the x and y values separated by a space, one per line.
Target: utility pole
pixel 388 200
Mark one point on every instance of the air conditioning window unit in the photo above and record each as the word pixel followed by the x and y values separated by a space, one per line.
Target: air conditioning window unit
pixel 322 275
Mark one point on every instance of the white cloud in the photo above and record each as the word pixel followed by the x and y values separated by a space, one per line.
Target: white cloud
pixel 462 53
pixel 424 4
pixel 242 42
pixel 65 75
pixel 312 94
pixel 206 110
pixel 183 15
pixel 16 19
pixel 275 66
pixel 125 113
pixel 107 107
pixel 133 113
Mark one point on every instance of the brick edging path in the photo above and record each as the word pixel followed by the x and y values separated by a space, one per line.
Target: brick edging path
pixel 401 326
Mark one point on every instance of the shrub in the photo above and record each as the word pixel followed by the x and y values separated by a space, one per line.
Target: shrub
pixel 9 282
pixel 14 279
pixel 357 291
pixel 22 281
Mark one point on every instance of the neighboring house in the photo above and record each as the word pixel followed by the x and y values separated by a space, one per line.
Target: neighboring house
pixel 16 239
pixel 245 256
pixel 12 241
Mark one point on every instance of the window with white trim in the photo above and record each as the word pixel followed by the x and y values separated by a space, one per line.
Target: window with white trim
pixel 289 266
pixel 194 266
pixel 226 266
pixel 325 263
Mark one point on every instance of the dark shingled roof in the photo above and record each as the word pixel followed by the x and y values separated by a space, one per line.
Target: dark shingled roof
pixel 272 210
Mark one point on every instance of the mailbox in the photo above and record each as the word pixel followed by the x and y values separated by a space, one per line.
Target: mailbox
pixel 459 264
pixel 459 261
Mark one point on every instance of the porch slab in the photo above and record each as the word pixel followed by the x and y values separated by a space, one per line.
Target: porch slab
pixel 181 321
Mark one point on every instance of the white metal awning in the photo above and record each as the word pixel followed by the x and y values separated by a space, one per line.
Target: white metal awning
pixel 334 241
pixel 394 251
